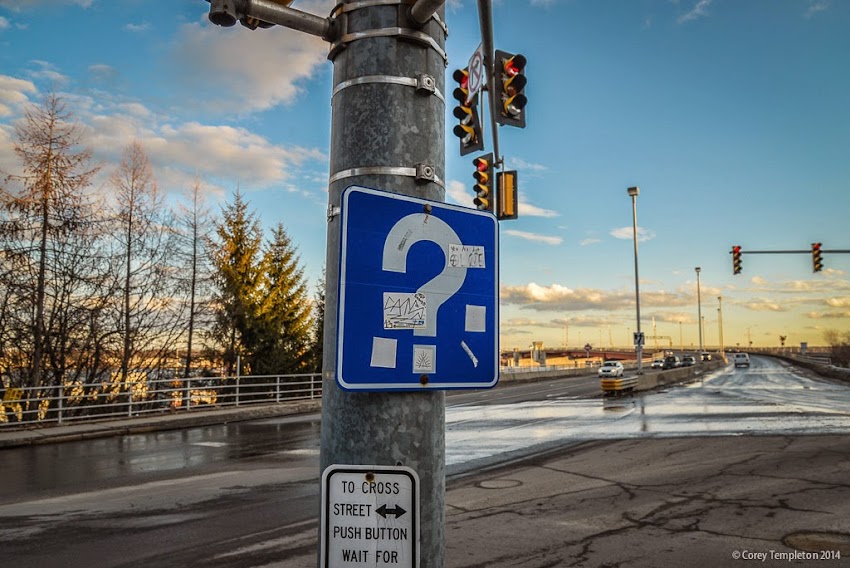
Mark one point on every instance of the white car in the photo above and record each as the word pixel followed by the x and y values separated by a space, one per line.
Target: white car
pixel 741 360
pixel 611 369
pixel 657 363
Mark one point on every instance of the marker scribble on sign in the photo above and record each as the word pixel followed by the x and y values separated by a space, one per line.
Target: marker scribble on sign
pixel 404 310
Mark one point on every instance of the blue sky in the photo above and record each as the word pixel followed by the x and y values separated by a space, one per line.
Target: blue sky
pixel 732 117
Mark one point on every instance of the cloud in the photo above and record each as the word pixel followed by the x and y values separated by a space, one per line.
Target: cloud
pixel 526 209
pixel 21 5
pixel 765 306
pixel 4 23
pixel 545 239
pixel 14 92
pixel 815 7
pixel 245 71
pixel 628 233
pixel 560 298
pixel 838 302
pixel 828 315
pixel 137 27
pixel 699 10
pixel 589 241
pixel 520 164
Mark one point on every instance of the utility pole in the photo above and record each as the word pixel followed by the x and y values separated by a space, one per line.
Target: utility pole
pixel 388 125
pixel 387 133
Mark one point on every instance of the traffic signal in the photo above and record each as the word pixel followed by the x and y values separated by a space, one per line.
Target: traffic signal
pixel 468 130
pixel 736 259
pixel 817 263
pixel 507 184
pixel 510 87
pixel 483 182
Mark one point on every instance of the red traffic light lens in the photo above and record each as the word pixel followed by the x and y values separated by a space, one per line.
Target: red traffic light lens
pixel 515 65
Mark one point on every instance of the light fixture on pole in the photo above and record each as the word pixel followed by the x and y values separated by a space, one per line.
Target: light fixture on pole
pixel 699 312
pixel 633 193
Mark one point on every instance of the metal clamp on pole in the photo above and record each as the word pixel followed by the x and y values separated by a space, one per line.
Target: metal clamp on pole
pixel 423 83
pixel 403 33
pixel 422 173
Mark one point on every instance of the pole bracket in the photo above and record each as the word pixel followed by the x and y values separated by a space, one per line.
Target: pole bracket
pixel 422 173
pixel 423 83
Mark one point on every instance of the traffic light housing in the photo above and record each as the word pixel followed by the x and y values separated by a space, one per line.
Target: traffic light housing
pixel 508 203
pixel 510 89
pixel 468 129
pixel 483 182
pixel 736 259
pixel 817 262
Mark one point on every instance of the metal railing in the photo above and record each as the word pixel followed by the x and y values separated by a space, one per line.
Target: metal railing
pixel 26 406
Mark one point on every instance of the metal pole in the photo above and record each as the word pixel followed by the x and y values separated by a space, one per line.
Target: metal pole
pixel 485 18
pixel 382 126
pixel 634 192
pixel 699 312
pixel 720 321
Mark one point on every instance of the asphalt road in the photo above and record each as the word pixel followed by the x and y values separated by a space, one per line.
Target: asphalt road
pixel 245 494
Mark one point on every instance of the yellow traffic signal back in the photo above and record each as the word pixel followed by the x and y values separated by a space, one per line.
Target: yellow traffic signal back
pixel 510 87
pixel 817 261
pixel 483 188
pixel 736 259
pixel 468 129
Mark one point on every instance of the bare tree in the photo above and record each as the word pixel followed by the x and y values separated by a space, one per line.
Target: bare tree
pixel 44 217
pixel 194 226
pixel 148 315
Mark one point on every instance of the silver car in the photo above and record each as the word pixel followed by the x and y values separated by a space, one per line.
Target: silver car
pixel 611 369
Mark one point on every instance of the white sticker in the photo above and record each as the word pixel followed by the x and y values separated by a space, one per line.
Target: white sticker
pixel 404 310
pixel 466 256
pixel 424 358
pixel 476 319
pixel 383 352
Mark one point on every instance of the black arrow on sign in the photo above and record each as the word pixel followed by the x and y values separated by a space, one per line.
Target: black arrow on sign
pixel 383 511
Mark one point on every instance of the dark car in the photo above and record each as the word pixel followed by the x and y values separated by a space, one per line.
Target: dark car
pixel 671 362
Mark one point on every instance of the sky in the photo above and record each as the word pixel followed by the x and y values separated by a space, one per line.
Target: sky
pixel 733 118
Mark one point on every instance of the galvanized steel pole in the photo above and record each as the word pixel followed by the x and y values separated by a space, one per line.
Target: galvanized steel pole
pixel 633 193
pixel 387 132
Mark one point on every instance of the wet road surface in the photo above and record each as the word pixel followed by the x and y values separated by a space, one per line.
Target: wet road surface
pixel 769 397
pixel 245 494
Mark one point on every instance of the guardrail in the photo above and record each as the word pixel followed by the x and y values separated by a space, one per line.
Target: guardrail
pixel 25 406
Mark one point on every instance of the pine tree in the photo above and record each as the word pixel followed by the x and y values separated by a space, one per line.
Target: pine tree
pixel 284 318
pixel 318 339
pixel 236 257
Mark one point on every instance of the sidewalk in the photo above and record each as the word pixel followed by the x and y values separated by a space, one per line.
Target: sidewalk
pixel 11 437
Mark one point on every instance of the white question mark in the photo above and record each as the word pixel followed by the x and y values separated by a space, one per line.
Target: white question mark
pixel 423 227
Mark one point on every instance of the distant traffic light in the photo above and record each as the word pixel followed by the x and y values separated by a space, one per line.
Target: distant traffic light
pixel 510 86
pixel 736 259
pixel 817 263
pixel 483 182
pixel 468 130
pixel 507 184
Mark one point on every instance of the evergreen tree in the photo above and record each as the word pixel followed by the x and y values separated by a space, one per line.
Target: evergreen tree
pixel 284 321
pixel 318 339
pixel 236 257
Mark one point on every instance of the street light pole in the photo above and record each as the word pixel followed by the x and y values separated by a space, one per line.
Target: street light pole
pixel 699 312
pixel 720 321
pixel 633 193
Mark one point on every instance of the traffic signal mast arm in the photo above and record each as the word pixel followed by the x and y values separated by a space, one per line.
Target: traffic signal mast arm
pixel 816 251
